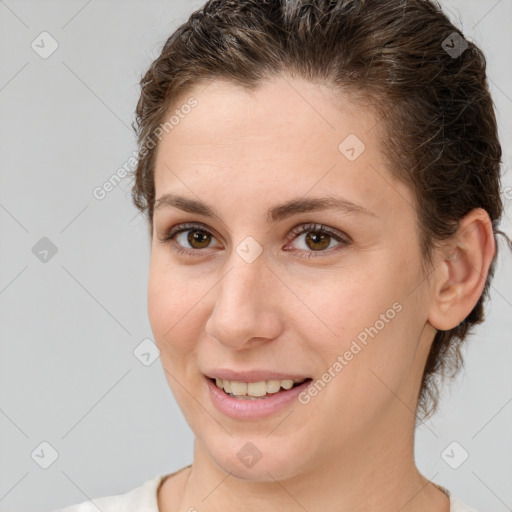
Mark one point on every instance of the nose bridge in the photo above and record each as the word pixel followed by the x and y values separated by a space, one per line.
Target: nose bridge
pixel 244 307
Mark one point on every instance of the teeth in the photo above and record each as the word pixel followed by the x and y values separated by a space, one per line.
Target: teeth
pixel 254 389
pixel 239 388
pixel 273 386
pixel 287 384
pixel 257 388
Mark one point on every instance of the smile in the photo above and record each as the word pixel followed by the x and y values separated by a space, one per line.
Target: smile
pixel 255 390
pixel 240 404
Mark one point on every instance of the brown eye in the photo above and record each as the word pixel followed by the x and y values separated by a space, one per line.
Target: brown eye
pixel 198 239
pixel 317 241
pixel 188 239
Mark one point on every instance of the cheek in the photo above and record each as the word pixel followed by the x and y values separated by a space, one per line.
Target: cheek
pixel 341 306
pixel 161 301
pixel 173 307
pixel 173 300
pixel 371 323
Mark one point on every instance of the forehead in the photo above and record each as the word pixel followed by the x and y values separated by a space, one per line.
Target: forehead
pixel 296 111
pixel 287 135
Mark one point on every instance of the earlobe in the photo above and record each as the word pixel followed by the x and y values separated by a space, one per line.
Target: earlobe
pixel 461 270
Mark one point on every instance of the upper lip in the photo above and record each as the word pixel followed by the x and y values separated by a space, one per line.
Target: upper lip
pixel 252 375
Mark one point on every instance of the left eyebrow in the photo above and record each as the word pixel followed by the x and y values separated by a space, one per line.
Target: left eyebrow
pixel 301 205
pixel 276 213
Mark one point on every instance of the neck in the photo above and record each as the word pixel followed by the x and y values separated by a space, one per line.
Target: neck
pixel 371 472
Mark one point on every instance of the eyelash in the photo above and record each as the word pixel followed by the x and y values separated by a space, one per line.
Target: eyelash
pixel 304 228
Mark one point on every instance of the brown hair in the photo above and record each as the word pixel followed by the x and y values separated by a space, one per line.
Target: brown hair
pixel 425 81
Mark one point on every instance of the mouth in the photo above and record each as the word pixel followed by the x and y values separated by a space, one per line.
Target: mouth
pixel 256 390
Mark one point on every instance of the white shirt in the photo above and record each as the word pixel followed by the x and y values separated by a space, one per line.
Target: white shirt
pixel 144 499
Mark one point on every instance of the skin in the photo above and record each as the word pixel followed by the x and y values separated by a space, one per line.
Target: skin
pixel 351 448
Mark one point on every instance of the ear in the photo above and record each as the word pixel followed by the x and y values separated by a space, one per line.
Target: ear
pixel 461 270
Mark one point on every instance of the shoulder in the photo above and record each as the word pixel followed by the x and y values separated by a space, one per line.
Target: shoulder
pixel 143 498
pixel 456 505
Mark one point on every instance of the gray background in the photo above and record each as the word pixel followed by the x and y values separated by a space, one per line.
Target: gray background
pixel 70 325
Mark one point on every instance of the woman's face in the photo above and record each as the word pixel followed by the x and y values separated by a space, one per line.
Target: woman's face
pixel 343 303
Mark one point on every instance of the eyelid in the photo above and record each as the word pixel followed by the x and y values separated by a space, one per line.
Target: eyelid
pixel 168 238
pixel 184 226
pixel 341 238
pixel 315 227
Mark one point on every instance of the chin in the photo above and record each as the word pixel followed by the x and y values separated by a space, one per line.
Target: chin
pixel 262 471
pixel 256 460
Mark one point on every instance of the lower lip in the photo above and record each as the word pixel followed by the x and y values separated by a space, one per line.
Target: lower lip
pixel 253 409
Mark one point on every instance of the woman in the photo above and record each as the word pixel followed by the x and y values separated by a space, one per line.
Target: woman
pixel 322 186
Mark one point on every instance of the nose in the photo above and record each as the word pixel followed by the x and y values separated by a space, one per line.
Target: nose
pixel 246 308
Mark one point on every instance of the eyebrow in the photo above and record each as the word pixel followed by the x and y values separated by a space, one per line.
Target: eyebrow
pixel 276 213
